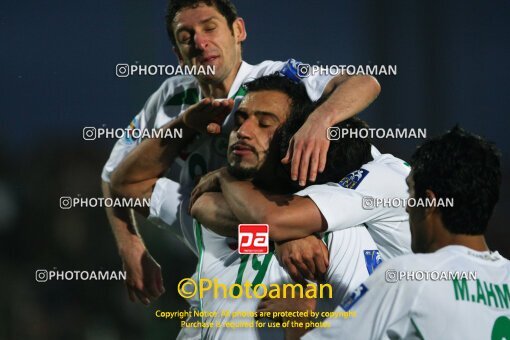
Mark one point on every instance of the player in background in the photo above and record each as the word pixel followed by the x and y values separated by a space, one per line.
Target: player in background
pixel 210 33
pixel 334 206
pixel 390 304
pixel 267 104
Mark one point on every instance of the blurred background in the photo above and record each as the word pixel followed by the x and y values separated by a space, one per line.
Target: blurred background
pixel 58 75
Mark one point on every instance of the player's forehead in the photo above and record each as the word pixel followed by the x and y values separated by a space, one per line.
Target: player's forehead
pixel 266 101
pixel 188 17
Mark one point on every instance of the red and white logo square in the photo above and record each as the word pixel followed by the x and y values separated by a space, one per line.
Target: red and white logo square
pixel 253 239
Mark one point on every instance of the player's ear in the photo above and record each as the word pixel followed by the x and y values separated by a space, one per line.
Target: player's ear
pixel 430 197
pixel 239 30
pixel 178 55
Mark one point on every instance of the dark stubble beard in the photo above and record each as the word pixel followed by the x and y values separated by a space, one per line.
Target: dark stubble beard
pixel 240 172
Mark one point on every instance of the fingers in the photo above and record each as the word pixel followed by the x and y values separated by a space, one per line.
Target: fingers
pixel 296 159
pixel 152 286
pixel 262 304
pixel 142 297
pixel 294 272
pixel 208 183
pixel 307 268
pixel 204 102
pixel 288 155
pixel 201 105
pixel 214 128
pixel 321 265
pixel 268 305
pixel 131 293
pixel 147 292
pixel 221 109
pixel 323 155
pixel 207 111
pixel 303 165
pixel 159 283
pixel 199 189
pixel 307 153
pixel 314 164
pixel 137 292
pixel 195 194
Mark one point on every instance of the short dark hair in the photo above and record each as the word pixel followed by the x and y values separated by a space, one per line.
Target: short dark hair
pixel 344 155
pixel 299 101
pixel 276 82
pixel 462 166
pixel 225 7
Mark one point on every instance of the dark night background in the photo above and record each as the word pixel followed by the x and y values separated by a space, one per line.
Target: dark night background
pixel 58 75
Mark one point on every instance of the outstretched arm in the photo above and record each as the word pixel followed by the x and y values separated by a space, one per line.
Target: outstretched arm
pixel 290 217
pixel 137 174
pixel 214 213
pixel 304 257
pixel 144 280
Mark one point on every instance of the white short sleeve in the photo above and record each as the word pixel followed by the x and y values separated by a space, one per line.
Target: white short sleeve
pixel 352 258
pixel 344 204
pixel 119 152
pixel 147 118
pixel 165 211
pixel 341 207
pixel 314 83
pixel 381 309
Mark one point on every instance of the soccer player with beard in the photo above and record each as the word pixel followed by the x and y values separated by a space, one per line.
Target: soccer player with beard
pixel 210 33
pixel 267 104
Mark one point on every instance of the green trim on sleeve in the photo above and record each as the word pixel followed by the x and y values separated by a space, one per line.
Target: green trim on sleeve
pixel 200 246
pixel 188 96
pixel 240 92
pixel 418 332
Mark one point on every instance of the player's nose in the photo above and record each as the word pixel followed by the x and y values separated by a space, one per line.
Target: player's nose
pixel 247 129
pixel 201 41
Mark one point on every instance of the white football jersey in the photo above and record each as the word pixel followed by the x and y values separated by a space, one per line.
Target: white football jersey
pixel 348 202
pixel 353 256
pixel 472 301
pixel 207 153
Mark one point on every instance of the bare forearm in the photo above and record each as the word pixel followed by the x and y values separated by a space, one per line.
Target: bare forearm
pixel 247 203
pixel 348 95
pixel 290 217
pixel 213 212
pixel 138 172
pixel 123 229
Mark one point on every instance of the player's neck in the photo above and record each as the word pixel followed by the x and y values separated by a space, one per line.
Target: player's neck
pixel 475 242
pixel 221 88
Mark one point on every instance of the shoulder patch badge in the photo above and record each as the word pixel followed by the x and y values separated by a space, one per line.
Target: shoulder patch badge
pixel 134 125
pixel 293 70
pixel 372 259
pixel 352 180
pixel 354 297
